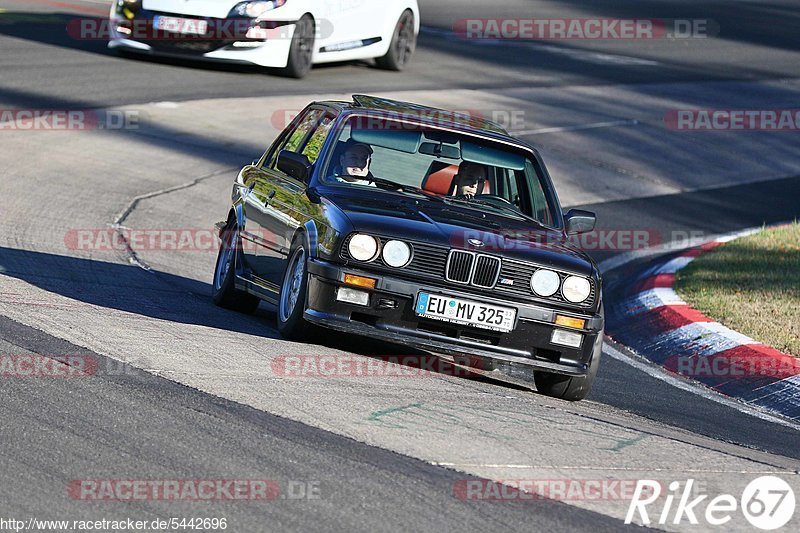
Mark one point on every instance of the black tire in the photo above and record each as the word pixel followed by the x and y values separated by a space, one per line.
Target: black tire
pixel 223 286
pixel 404 42
pixel 572 389
pixel 301 51
pixel 292 299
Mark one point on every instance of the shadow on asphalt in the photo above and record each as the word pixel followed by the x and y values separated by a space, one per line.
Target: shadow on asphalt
pixel 165 296
pixel 124 288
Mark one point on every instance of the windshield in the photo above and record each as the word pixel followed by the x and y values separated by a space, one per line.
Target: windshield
pixel 478 174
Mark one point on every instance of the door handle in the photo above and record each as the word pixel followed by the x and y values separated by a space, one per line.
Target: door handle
pixel 265 202
pixel 262 201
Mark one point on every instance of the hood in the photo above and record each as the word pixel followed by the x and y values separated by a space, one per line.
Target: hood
pixel 418 219
pixel 196 8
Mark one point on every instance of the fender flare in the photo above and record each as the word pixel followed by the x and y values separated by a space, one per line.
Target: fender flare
pixel 310 236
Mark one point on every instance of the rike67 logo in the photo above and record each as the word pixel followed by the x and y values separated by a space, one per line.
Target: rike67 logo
pixel 767 503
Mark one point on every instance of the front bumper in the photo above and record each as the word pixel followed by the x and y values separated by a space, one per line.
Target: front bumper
pixel 390 316
pixel 224 45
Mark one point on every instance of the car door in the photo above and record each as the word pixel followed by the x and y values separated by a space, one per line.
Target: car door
pixel 278 204
pixel 352 20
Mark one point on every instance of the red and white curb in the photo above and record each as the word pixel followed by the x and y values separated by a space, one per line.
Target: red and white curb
pixel 655 322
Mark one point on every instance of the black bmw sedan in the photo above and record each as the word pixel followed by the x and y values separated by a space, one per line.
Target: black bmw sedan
pixel 420 227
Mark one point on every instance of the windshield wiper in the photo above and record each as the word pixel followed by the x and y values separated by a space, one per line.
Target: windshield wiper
pixel 502 208
pixel 406 188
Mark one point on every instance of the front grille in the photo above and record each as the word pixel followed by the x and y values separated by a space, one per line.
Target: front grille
pixel 459 266
pixel 487 270
pixel 188 47
pixel 471 268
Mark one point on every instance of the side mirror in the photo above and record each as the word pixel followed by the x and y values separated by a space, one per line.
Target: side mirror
pixel 295 165
pixel 578 221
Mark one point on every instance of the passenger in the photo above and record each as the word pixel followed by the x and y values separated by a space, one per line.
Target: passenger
pixel 470 176
pixel 354 164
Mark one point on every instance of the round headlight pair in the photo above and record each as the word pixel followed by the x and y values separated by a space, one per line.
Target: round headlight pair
pixel 364 247
pixel 575 289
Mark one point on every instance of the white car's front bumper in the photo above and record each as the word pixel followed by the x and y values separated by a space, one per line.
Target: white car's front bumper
pixel 272 53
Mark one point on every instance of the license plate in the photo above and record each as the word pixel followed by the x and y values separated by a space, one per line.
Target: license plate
pixel 465 312
pixel 181 25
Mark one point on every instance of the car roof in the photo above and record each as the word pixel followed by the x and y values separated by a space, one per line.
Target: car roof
pixel 456 120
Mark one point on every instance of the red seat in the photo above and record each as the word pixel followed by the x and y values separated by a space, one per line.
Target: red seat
pixel 439 179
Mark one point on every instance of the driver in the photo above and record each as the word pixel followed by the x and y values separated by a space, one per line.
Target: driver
pixel 470 177
pixel 354 164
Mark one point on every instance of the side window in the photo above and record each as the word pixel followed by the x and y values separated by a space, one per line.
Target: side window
pixel 541 210
pixel 295 138
pixel 317 139
pixel 510 190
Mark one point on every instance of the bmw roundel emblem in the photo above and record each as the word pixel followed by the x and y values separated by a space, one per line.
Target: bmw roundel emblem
pixel 476 243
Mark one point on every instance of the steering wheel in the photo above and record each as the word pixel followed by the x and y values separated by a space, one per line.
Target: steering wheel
pixel 493 197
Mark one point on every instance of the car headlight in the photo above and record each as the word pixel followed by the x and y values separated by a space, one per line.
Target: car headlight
pixel 545 282
pixel 576 289
pixel 396 253
pixel 254 10
pixel 363 247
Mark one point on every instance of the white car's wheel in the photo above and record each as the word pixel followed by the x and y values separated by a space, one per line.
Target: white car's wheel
pixel 404 42
pixel 302 49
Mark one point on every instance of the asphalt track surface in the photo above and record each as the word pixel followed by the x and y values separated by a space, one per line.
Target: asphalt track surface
pixel 132 423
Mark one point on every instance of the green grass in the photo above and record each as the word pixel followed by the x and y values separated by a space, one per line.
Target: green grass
pixel 752 285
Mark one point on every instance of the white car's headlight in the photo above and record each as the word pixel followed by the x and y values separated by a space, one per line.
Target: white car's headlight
pixel 576 289
pixel 545 282
pixel 255 9
pixel 396 253
pixel 363 247
pixel 131 5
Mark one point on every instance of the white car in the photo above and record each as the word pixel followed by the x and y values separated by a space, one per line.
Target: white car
pixel 287 34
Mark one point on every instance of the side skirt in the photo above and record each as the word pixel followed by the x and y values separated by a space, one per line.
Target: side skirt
pixel 259 288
